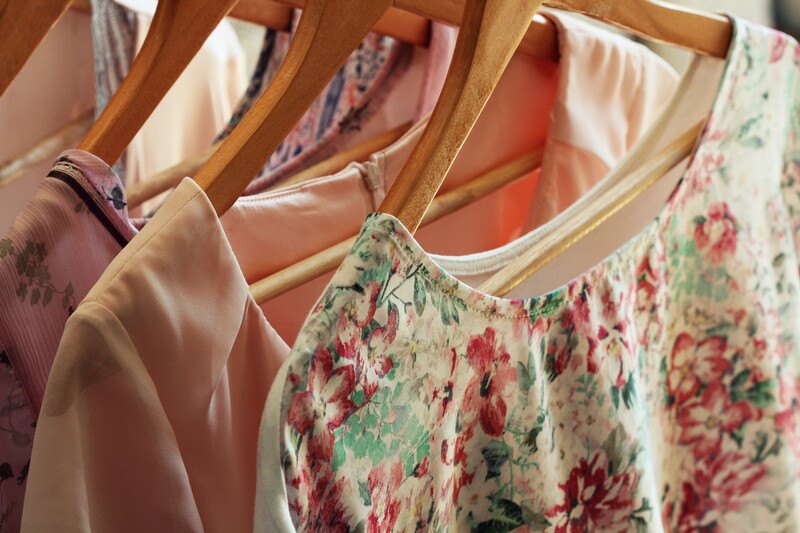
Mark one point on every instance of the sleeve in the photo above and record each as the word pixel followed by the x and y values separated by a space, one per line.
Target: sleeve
pixel 99 402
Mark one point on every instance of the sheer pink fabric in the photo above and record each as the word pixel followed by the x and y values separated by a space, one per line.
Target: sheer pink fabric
pixel 170 338
pixel 54 252
pixel 514 123
pixel 77 223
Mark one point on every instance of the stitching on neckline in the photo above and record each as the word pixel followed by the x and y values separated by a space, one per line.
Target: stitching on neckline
pixel 451 293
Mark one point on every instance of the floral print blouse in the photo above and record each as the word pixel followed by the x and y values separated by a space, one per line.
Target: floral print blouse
pixel 58 246
pixel 659 391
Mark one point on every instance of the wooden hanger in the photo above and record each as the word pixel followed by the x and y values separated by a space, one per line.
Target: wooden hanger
pixel 23 25
pixel 402 25
pixel 139 193
pixel 458 107
pixel 66 137
pixel 697 31
pixel 262 12
pixel 325 37
pixel 179 29
pixel 541 41
pixel 358 153
pixel 461 102
pixel 585 220
pixel 327 260
pixel 490 33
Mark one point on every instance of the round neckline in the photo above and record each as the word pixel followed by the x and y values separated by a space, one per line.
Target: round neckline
pixel 549 301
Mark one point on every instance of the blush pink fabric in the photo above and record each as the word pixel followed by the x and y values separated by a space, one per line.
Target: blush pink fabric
pixel 78 222
pixel 170 336
pixel 65 238
pixel 369 95
pixel 54 252
pixel 512 125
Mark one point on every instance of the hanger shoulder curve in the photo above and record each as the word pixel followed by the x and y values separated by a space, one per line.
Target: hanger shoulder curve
pixel 602 208
pixel 23 25
pixel 265 13
pixel 178 30
pixel 323 41
pixel 698 31
pixel 491 31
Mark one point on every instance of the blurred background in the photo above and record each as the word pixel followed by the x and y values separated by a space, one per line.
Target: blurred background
pixel 56 88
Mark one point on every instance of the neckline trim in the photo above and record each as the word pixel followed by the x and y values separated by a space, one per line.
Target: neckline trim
pixel 534 306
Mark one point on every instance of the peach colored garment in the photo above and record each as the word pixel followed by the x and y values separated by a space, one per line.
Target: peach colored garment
pixel 152 410
pixel 511 126
pixel 60 225
pixel 170 337
pixel 195 109
pixel 55 251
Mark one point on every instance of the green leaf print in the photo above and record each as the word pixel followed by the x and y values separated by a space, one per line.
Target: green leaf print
pixel 363 491
pixel 629 392
pixel 737 394
pixel 496 455
pixel 760 394
pixel 526 374
pixel 752 142
pixel 747 127
pixel 533 434
pixel 551 304
pixel 763 449
pixel 615 450
pixel 535 521
pixel 6 248
pixel 507 517
pixel 522 377
pixel 419 295
pixel 444 310
pixel 339 455
pixel 377 451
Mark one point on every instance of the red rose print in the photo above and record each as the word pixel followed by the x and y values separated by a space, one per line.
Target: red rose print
pixel 691 509
pixel 704 420
pixel 383 486
pixel 327 509
pixel 349 349
pixel 373 288
pixel 328 396
pixel 379 340
pixel 485 392
pixel 593 500
pixel 716 232
pixel 730 477
pixel 692 364
pixel 779 44
pixel 422 468
pixel 718 488
pixel 578 315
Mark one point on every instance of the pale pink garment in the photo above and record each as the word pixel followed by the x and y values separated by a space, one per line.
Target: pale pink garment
pixel 69 233
pixel 194 110
pixel 151 413
pixel 54 252
pixel 368 96
pixel 511 126
pixel 170 337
